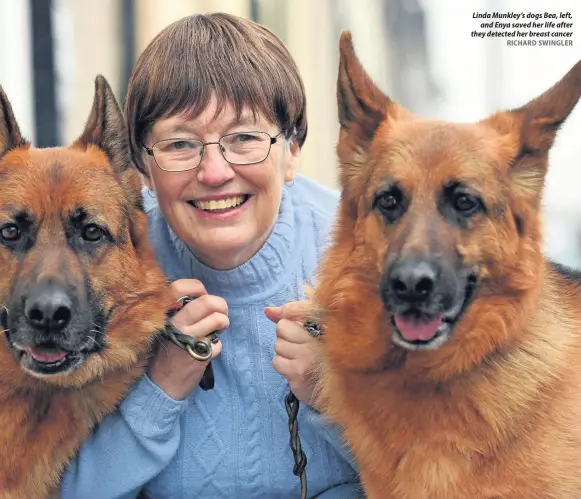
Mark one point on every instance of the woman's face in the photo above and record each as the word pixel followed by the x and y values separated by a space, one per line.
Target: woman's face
pixel 222 212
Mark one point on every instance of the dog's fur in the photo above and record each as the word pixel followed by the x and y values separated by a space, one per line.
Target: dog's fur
pixel 490 408
pixel 72 228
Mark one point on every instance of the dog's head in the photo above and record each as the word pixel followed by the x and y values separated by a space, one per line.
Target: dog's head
pixel 442 214
pixel 80 292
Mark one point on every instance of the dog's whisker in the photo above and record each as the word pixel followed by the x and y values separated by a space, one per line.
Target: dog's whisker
pixel 93 340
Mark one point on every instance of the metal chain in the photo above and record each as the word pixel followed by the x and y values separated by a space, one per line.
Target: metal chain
pixel 292 408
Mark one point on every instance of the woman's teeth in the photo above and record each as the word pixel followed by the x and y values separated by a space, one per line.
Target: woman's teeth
pixel 220 204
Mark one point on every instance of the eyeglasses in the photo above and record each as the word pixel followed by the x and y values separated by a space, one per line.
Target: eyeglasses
pixel 240 148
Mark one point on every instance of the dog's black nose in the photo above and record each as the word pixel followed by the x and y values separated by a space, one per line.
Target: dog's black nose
pixel 48 307
pixel 412 280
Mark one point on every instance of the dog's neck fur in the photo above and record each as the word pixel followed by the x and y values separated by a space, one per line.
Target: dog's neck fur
pixel 37 412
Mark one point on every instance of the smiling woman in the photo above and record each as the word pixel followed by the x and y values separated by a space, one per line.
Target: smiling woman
pixel 217 117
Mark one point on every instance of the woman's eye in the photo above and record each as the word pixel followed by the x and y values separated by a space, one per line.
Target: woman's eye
pixel 182 144
pixel 244 137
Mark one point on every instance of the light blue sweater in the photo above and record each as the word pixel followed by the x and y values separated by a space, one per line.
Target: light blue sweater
pixel 232 441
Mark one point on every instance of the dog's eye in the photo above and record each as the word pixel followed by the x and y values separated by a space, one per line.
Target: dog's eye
pixel 466 203
pixel 10 232
pixel 92 233
pixel 389 201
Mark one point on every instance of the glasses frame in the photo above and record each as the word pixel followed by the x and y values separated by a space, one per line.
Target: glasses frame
pixel 273 140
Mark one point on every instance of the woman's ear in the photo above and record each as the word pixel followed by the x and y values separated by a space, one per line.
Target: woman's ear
pixel 293 160
pixel 146 177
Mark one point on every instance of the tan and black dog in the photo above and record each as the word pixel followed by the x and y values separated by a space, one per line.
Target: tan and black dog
pixel 452 355
pixel 81 295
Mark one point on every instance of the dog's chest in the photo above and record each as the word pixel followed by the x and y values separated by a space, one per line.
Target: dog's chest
pixel 422 447
pixel 429 471
pixel 424 472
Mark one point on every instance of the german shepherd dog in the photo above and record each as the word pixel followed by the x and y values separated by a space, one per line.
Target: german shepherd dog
pixel 81 295
pixel 452 354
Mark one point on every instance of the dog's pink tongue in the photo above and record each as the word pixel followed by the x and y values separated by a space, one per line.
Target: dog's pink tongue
pixel 46 356
pixel 412 330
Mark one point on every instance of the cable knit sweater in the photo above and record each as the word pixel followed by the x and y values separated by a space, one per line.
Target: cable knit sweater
pixel 232 441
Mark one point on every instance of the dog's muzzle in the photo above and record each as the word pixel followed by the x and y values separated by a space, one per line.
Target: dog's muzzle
pixel 49 329
pixel 424 300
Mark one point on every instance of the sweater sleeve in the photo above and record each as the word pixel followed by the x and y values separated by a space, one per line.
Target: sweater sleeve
pixel 332 434
pixel 128 449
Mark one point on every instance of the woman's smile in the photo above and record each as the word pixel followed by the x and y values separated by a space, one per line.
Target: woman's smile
pixel 220 208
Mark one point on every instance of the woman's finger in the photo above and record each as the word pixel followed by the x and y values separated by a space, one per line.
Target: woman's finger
pixel 288 350
pixel 187 287
pixel 199 308
pixel 216 321
pixel 292 331
pixel 283 366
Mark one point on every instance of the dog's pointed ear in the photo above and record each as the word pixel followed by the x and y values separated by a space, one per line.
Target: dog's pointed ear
pixel 362 108
pixel 534 127
pixel 362 105
pixel 106 127
pixel 10 136
pixel 543 116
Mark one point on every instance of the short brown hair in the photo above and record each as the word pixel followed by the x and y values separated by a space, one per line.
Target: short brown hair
pixel 239 61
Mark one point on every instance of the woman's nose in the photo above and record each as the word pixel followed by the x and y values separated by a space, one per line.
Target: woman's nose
pixel 214 169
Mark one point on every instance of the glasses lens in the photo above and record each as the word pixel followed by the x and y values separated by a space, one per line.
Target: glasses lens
pixel 177 155
pixel 245 147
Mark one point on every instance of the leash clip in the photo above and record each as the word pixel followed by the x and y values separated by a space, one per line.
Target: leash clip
pixel 314 329
pixel 199 349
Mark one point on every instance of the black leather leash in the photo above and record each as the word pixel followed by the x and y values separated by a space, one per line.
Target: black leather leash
pixel 292 409
pixel 199 349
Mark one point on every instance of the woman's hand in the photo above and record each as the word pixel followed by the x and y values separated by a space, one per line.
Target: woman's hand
pixel 172 369
pixel 296 350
